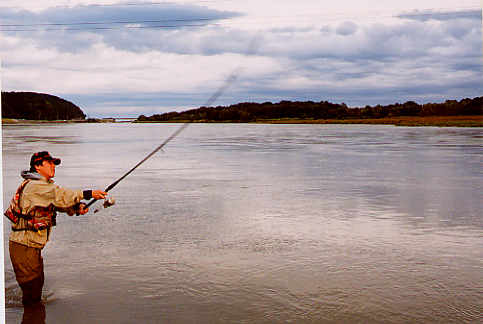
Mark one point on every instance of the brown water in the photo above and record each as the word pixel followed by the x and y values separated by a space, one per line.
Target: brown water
pixel 261 224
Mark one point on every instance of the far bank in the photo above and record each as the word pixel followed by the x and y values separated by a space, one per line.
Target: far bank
pixel 414 121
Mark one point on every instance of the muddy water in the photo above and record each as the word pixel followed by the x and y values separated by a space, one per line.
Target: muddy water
pixel 260 224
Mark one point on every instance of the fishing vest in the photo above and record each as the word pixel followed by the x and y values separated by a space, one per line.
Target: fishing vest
pixel 39 218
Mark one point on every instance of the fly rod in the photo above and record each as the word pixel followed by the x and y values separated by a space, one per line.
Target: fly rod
pixel 252 49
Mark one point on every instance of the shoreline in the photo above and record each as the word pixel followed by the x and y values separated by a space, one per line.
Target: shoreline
pixel 428 121
pixel 432 121
pixel 12 121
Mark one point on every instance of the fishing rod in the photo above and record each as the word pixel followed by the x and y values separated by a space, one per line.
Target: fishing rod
pixel 252 49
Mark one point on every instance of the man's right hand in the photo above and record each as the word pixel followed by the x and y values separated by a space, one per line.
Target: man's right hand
pixel 99 194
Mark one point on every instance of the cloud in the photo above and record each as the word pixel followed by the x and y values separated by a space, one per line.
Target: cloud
pixel 427 15
pixel 413 59
pixel 347 28
pixel 100 18
pixel 144 26
pixel 156 69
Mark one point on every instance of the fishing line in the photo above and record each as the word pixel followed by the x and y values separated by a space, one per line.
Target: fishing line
pixel 252 49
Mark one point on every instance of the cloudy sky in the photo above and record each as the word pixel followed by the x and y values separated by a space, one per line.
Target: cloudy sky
pixel 124 59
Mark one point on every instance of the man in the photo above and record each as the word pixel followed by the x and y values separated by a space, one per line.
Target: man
pixel 33 213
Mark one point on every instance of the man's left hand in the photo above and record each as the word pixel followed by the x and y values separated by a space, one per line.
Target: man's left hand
pixel 82 211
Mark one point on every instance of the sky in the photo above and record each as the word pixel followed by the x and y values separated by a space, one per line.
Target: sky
pixel 131 58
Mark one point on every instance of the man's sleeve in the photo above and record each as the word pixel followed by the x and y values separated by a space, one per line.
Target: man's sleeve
pixel 44 194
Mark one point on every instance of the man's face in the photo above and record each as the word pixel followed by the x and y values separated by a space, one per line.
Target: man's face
pixel 47 169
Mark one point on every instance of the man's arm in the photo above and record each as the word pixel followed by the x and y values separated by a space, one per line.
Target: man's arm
pixel 64 199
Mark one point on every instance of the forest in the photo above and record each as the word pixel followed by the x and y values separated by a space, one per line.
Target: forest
pixel 38 106
pixel 323 110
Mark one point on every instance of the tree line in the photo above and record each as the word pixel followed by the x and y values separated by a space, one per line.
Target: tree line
pixel 253 112
pixel 38 106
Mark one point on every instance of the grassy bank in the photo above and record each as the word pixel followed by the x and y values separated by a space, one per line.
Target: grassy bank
pixel 11 121
pixel 436 121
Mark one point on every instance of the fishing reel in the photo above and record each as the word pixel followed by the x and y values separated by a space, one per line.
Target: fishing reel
pixel 108 202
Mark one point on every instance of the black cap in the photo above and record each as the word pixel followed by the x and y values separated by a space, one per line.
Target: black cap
pixel 42 156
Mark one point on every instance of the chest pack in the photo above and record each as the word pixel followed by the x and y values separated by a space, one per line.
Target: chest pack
pixel 37 219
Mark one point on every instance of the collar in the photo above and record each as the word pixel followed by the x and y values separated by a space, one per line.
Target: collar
pixel 26 174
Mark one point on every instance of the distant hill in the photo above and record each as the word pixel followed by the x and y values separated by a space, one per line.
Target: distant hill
pixel 38 106
pixel 309 110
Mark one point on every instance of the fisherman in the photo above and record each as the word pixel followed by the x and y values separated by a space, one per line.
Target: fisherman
pixel 33 213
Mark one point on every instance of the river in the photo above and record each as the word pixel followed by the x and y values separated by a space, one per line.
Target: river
pixel 250 223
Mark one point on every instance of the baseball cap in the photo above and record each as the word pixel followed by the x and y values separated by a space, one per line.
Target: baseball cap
pixel 42 156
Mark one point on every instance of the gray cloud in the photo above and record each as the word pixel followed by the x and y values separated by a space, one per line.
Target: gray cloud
pixel 139 27
pixel 326 30
pixel 407 41
pixel 99 18
pixel 347 28
pixel 428 15
pixel 416 59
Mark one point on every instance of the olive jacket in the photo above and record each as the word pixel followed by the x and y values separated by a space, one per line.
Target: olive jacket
pixel 40 192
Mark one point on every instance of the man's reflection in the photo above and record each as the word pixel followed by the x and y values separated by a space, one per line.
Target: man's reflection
pixel 34 314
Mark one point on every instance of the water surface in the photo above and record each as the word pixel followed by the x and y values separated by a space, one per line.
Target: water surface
pixel 238 223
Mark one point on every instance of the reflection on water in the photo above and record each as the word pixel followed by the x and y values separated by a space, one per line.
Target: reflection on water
pixel 34 314
pixel 262 223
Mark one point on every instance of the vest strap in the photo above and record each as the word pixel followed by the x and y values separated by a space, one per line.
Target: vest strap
pixel 23 229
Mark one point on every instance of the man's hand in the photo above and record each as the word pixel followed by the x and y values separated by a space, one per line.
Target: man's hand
pixel 99 194
pixel 82 211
